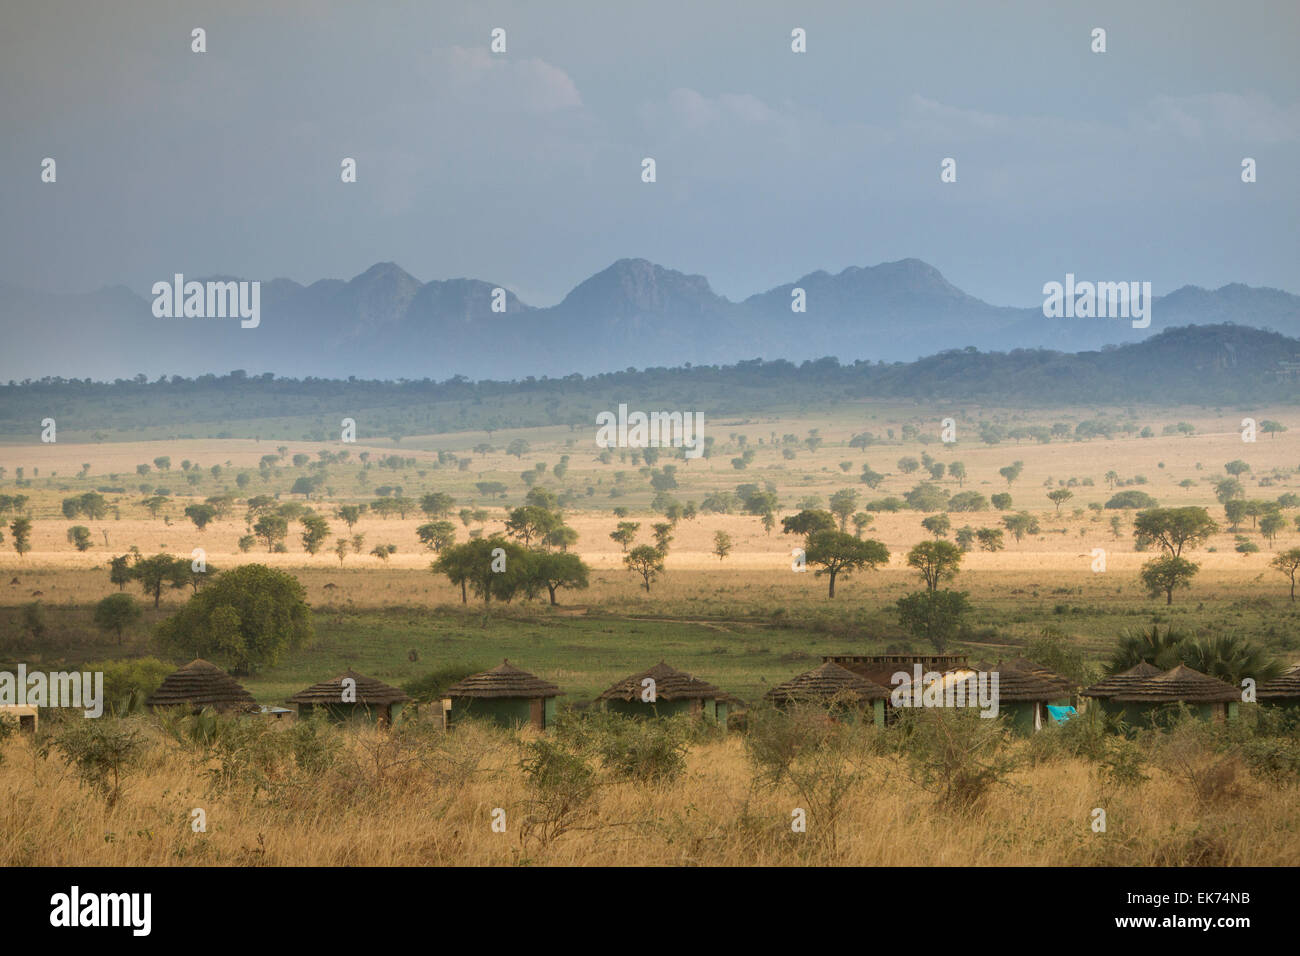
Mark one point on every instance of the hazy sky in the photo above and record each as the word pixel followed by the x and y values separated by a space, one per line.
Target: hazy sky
pixel 524 169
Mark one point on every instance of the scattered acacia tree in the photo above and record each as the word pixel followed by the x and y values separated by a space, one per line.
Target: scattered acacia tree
pixel 1020 524
pixel 1270 524
pixel 247 617
pixel 437 504
pixel 1163 575
pixel 1288 563
pixel 990 539
pixel 557 571
pixel 1012 471
pixel 958 470
pixel 79 537
pixel 341 549
pixel 116 613
pixel 935 561
pixel 436 535
pixel 807 522
pixel 663 536
pixel 21 529
pixel 531 521
pixel 842 505
pixel 937 525
pixel 646 561
pixel 1173 528
pixel 838 553
pixel 1059 497
pixel 625 534
pixel 722 546
pixel 271 528
pixel 349 515
pixel 383 551
pixel 119 571
pixel 315 530
pixel 158 572
pixel 934 616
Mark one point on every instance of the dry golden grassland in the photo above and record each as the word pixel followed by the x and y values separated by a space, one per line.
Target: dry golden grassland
pixel 432 804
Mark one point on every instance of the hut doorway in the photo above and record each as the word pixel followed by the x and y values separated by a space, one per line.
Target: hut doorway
pixel 537 712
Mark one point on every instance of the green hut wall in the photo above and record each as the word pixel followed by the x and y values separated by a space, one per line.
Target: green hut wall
pixel 710 709
pixel 503 711
pixel 368 713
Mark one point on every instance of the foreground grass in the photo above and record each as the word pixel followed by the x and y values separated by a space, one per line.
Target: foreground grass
pixel 431 802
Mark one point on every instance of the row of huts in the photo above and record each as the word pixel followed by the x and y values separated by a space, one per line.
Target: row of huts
pixel 857 686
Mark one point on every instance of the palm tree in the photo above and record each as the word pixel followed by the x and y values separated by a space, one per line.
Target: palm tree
pixel 1230 658
pixel 1136 646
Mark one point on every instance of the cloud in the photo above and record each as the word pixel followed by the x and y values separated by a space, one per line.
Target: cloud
pixel 528 85
pixel 1245 118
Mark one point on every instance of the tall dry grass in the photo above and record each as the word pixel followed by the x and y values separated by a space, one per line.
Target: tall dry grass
pixel 363 797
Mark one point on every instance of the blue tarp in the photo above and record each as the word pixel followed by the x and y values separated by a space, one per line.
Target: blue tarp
pixel 1060 714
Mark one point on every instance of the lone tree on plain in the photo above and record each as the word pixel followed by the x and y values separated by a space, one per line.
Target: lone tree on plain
pixel 1173 528
pixel 937 525
pixel 21 529
pixel 79 537
pixel 349 515
pixel 721 544
pixel 557 571
pixel 625 534
pixel 1288 562
pixel 1164 575
pixel 272 529
pixel 807 522
pixel 159 571
pixel 843 503
pixel 1012 471
pixel 646 561
pixel 248 616
pixel 1059 497
pixel 936 561
pixel 839 553
pixel 436 535
pixel 315 530
pixel 201 515
pixel 116 613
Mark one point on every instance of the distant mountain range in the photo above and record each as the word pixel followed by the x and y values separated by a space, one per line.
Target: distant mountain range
pixel 386 324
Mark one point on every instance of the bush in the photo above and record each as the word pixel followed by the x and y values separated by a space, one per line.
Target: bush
pixel 955 754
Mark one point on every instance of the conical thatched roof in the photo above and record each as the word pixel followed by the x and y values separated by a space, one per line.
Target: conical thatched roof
pixel 1179 683
pixel 1287 686
pixel 825 682
pixel 200 684
pixel 670 684
pixel 368 691
pixel 504 680
pixel 1022 681
pixel 1117 683
pixel 1025 665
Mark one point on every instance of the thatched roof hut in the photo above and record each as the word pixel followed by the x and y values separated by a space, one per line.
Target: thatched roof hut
pixel 1115 683
pixel 662 691
pixel 362 696
pixel 1179 684
pixel 832 683
pixel 1025 689
pixel 1283 690
pixel 1208 697
pixel 506 695
pixel 200 684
